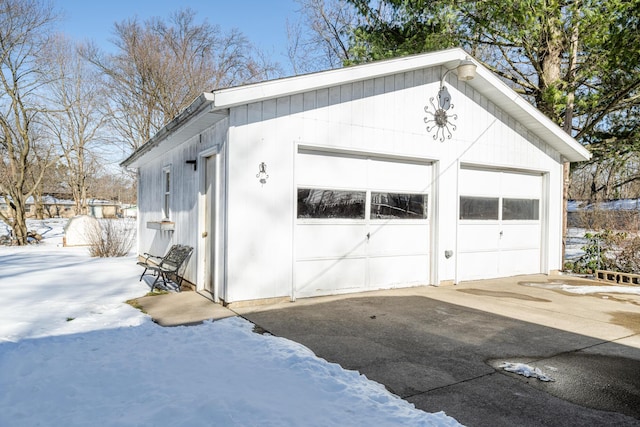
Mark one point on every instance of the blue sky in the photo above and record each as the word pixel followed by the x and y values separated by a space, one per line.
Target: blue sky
pixel 263 22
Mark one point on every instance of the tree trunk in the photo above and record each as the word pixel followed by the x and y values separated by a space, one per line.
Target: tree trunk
pixel 568 127
pixel 38 206
pixel 19 225
pixel 550 60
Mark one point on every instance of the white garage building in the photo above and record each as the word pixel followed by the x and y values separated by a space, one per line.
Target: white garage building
pixel 356 179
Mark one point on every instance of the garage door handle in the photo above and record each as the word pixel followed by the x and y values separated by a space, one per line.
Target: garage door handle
pixel 501 233
pixel 368 236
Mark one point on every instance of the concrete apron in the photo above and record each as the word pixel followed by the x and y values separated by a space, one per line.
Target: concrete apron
pixel 184 308
pixel 607 316
pixel 530 298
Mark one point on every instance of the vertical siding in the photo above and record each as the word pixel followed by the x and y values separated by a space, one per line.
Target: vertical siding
pixel 382 115
pixel 184 196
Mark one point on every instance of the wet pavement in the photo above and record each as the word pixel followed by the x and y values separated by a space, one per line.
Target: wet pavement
pixel 605 382
pixel 441 349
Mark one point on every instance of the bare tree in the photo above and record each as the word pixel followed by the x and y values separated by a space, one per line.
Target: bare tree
pixel 78 118
pixel 320 40
pixel 162 66
pixel 40 175
pixel 111 186
pixel 24 26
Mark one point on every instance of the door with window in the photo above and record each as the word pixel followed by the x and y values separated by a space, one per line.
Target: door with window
pixel 499 225
pixel 361 223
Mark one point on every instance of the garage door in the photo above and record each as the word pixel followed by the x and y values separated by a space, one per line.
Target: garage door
pixel 362 223
pixel 499 226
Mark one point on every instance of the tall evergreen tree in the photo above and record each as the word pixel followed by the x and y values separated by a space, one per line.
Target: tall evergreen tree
pixel 578 61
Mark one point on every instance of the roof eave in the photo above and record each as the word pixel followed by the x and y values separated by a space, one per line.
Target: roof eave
pixel 255 92
pixel 489 85
pixel 200 108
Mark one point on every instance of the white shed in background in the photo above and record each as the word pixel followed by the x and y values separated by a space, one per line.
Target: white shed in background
pixel 360 178
pixel 81 230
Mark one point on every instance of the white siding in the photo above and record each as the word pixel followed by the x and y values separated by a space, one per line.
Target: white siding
pixel 184 197
pixel 384 116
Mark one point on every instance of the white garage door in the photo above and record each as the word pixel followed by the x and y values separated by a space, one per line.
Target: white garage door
pixel 362 223
pixel 499 227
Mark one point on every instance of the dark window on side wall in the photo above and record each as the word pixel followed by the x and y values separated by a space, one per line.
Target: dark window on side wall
pixel 314 203
pixel 398 206
pixel 166 178
pixel 520 209
pixel 479 208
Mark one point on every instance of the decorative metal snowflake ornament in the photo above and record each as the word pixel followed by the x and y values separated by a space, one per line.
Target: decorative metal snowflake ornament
pixel 440 119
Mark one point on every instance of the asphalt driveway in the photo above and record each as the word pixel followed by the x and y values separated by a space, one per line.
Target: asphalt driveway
pixel 442 348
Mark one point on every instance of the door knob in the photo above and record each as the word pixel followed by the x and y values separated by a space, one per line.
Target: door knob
pixel 205 234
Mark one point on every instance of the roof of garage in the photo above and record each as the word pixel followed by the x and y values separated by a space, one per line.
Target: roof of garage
pixel 211 107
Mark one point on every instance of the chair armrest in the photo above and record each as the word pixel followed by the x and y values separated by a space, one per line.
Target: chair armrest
pixel 148 255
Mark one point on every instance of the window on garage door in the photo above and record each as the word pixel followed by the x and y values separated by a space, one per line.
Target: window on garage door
pixel 479 207
pixel 487 208
pixel 319 203
pixel 350 204
pixel 520 209
pixel 398 206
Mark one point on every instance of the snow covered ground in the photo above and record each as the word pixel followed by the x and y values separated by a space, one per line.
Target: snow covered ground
pixel 73 354
pixel 588 289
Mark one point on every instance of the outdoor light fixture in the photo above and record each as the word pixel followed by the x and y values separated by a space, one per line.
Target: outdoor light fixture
pixel 194 163
pixel 262 173
pixel 466 70
pixel 439 118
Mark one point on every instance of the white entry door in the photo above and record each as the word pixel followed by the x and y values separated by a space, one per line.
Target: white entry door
pixel 210 225
pixel 361 223
pixel 499 224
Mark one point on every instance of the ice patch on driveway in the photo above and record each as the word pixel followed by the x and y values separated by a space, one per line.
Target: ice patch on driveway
pixel 525 370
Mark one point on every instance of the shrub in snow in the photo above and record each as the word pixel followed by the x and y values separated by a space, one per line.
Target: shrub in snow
pixel 615 216
pixel 600 252
pixel 628 260
pixel 114 238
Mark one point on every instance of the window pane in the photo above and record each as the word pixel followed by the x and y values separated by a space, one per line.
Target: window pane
pixel 314 203
pixel 395 205
pixel 167 191
pixel 520 209
pixel 478 207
